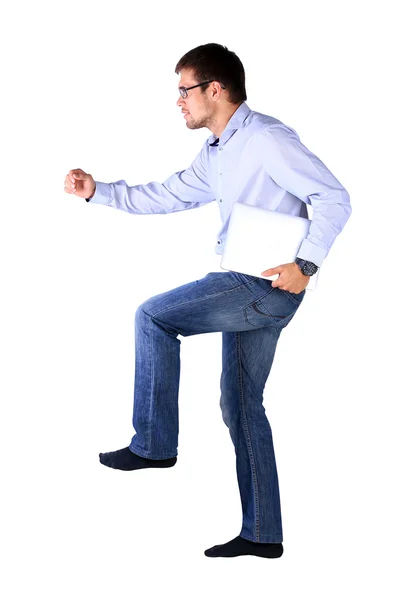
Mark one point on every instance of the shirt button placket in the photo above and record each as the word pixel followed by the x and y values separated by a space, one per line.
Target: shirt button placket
pixel 219 175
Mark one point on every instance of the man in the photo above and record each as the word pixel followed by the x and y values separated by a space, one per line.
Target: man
pixel 255 159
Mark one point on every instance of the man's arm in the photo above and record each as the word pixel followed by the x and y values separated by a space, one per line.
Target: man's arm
pixel 294 168
pixel 182 190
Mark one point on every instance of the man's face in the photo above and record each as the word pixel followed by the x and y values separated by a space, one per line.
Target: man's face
pixel 197 107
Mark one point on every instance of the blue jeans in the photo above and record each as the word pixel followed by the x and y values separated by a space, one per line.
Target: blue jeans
pixel 251 314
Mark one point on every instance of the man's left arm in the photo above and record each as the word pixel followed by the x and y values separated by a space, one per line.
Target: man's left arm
pixel 294 168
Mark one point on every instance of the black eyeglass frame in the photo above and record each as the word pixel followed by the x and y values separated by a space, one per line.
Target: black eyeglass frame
pixel 184 90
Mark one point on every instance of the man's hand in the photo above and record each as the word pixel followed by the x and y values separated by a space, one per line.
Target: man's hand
pixel 290 278
pixel 79 183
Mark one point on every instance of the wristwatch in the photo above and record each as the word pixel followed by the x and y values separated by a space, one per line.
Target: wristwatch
pixel 306 267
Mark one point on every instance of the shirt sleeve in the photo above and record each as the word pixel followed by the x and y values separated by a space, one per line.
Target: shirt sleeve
pixel 181 191
pixel 294 168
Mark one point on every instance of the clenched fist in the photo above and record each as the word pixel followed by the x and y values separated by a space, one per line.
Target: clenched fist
pixel 79 183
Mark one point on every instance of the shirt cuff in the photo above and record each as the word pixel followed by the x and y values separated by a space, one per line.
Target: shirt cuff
pixel 102 194
pixel 312 252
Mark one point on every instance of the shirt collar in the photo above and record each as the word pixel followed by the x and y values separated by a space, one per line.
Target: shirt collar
pixel 235 122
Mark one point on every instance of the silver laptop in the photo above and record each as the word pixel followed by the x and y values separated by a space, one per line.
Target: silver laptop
pixel 259 239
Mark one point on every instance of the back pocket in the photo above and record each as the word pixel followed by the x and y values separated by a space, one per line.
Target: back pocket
pixel 274 309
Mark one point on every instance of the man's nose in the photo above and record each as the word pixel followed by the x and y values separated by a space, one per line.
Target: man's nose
pixel 179 101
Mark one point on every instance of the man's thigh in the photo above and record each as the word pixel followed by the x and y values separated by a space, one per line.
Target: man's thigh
pixel 222 301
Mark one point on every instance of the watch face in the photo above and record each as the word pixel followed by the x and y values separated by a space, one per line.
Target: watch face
pixel 309 270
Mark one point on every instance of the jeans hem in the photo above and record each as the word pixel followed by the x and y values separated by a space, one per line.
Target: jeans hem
pixel 133 449
pixel 263 539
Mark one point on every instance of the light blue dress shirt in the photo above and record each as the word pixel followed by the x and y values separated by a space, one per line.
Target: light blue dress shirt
pixel 257 160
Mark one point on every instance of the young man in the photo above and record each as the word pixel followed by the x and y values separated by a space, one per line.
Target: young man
pixel 256 159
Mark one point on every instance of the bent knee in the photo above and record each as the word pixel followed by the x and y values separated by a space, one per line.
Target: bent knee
pixel 230 413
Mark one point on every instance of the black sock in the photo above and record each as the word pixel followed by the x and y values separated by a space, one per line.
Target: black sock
pixel 126 460
pixel 239 547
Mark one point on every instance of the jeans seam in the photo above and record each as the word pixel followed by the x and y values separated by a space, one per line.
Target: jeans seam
pixel 148 425
pixel 247 437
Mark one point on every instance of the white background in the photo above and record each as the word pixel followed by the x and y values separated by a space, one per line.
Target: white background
pixel 92 85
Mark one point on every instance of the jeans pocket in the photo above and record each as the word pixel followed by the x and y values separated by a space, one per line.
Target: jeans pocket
pixel 276 309
pixel 296 298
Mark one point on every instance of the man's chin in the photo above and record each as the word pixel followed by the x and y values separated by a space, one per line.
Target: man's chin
pixel 193 125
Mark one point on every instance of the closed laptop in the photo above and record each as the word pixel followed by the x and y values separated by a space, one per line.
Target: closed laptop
pixel 259 239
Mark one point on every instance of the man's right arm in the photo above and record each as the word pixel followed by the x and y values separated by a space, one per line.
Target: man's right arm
pixel 181 191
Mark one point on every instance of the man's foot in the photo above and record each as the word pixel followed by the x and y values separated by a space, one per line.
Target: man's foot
pixel 126 460
pixel 239 547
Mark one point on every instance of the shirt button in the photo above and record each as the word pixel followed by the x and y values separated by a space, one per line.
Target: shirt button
pixel 220 149
pixel 219 242
pixel 220 199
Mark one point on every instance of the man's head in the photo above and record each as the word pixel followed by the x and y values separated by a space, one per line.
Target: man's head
pixel 222 90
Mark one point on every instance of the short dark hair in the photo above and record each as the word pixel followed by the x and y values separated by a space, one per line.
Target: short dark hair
pixel 217 63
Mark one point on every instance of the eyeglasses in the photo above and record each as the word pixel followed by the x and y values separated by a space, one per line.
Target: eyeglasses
pixel 184 90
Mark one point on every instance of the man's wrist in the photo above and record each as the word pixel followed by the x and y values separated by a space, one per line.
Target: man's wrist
pixel 307 267
pixel 94 191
